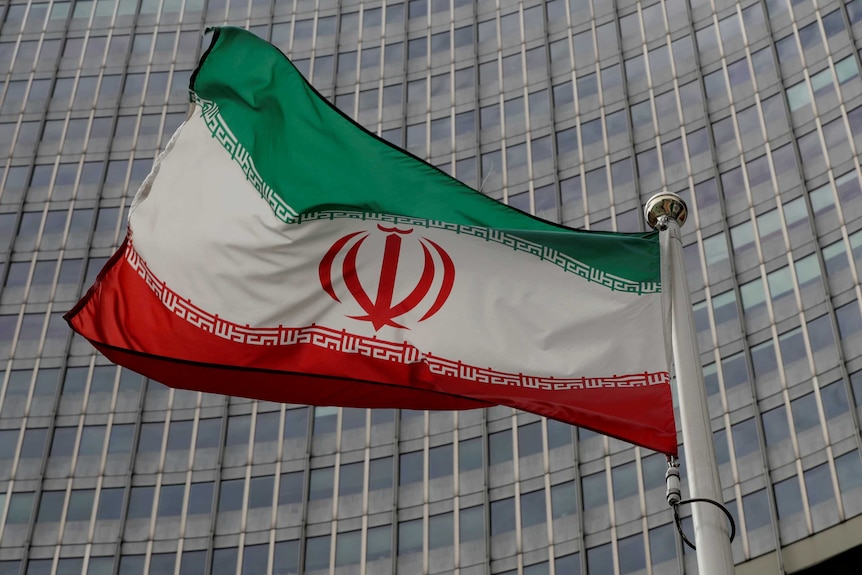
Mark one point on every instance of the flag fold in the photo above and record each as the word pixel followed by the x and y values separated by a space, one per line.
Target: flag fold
pixel 280 251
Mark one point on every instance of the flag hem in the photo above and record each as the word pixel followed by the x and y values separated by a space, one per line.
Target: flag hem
pixel 237 391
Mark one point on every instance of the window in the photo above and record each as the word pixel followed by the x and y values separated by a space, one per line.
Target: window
pixel 290 487
pixel 440 530
pixel 260 492
pixel 502 516
pixel 321 483
pixel 351 478
pixel 533 508
pixel 780 283
pixel 230 495
pixel 325 420
pixel 352 418
pixel 632 554
pixel 849 319
pixel 96 566
pixel 266 427
pixel 238 429
pixel 378 543
pixel 849 469
pixel 804 411
pixel 254 559
pixel 224 561
pixel 132 564
pixel 201 498
pixel 600 560
pixel 51 506
pixel 710 379
pixel 192 562
pixel 820 334
pixel 563 500
pixel 20 508
pixel 788 497
pixel 792 346
pixel 500 446
pixel 775 425
pixel 763 358
pixel 348 547
pixel 807 270
pixel 834 398
pixel 35 440
pixel 756 509
pixel 662 544
pixel 171 500
pixel 745 438
pixel 180 435
pixel 110 503
pixel 209 433
pixel 722 451
pixel 559 434
pixel 624 478
pixel 568 564
pixel 75 380
pixel 103 379
pixel 595 490
pixel 296 423
pixel 140 502
pixel 46 381
pixel 80 505
pixel 409 536
pixel 380 473
pixel 653 469
pixel 39 566
pixel 530 439
pixel 410 467
pixel 715 249
pixel 818 484
pixel 382 416
pixel 724 307
pixel 472 523
pixel 440 460
pixel 752 294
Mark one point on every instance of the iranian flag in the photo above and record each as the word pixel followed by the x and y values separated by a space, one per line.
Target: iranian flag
pixel 280 251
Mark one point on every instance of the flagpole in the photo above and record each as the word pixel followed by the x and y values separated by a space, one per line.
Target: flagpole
pixel 666 212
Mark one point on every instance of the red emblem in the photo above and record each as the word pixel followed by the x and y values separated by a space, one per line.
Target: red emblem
pixel 383 310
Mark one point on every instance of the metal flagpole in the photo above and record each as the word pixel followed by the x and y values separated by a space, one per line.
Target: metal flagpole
pixel 667 212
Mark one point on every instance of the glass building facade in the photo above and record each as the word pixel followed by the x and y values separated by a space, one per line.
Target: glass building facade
pixel 576 111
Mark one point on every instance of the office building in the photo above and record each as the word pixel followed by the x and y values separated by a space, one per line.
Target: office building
pixel 576 111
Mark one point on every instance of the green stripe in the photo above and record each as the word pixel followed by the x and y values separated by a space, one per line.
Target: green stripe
pixel 308 157
pixel 536 244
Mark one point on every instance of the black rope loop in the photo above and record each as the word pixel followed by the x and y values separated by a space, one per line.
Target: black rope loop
pixel 701 500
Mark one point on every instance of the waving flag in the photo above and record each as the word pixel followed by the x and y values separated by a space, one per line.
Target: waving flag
pixel 280 251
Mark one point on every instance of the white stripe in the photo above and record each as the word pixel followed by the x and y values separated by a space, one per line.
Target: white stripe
pixel 204 230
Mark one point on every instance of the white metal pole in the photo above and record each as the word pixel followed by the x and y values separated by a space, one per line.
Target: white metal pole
pixel 667 212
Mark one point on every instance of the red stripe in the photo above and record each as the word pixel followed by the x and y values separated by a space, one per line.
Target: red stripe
pixel 126 321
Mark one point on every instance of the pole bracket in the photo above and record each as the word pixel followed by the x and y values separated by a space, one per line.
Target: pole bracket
pixel 674 499
pixel 701 500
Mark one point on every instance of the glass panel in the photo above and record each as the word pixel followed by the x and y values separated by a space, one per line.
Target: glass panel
pixel 440 530
pixel 410 468
pixel 440 461
pixel 379 543
pixel 625 481
pixel 472 523
pixel 321 483
pixel 502 516
pixel 533 508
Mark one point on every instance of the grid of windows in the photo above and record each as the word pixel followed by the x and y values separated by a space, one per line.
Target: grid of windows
pixel 573 110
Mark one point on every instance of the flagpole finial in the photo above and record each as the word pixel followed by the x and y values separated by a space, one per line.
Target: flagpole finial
pixel 665 206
